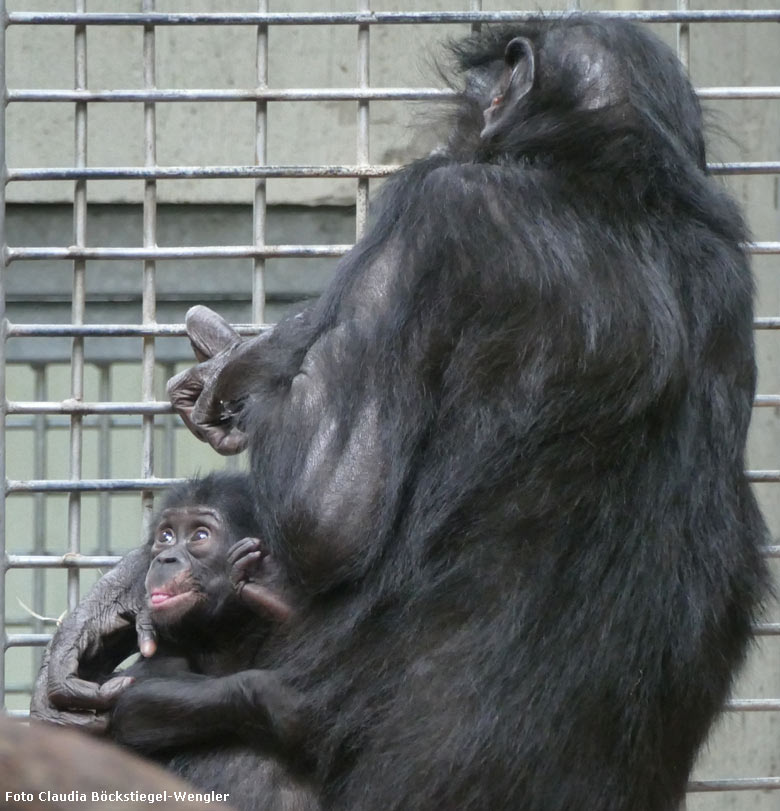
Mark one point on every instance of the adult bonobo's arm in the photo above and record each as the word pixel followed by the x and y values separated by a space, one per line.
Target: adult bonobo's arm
pixel 103 629
pixel 253 705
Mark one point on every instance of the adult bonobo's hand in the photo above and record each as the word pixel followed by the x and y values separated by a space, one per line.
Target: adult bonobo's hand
pixel 201 395
pixel 106 627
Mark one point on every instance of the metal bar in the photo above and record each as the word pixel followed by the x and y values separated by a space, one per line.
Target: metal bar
pixel 26 640
pixel 149 296
pixel 260 202
pixel 684 37
pixel 40 471
pixel 104 459
pixel 745 168
pixel 265 94
pixel 767 629
pixel 260 94
pixel 62 561
pixel 229 251
pixel 3 327
pixel 475 6
pixel 91 421
pixel 378 17
pixel 198 172
pixel 739 92
pixel 87 485
pixel 170 427
pixel 145 409
pixel 362 146
pixel 763 475
pixel 753 705
pixel 78 302
pixel 114 330
pixel 737 784
pixel 335 171
pixel 204 252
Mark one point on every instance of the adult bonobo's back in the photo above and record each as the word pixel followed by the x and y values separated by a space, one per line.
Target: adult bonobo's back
pixel 502 456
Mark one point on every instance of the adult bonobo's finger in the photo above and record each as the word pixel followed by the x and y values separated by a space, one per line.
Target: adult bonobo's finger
pixel 202 413
pixel 113 688
pixel 195 395
pixel 208 331
pixel 76 693
pixel 183 390
pixel 226 440
pixel 147 639
pixel 92 722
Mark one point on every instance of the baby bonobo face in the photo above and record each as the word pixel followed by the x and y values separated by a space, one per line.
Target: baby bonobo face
pixel 190 545
pixel 204 573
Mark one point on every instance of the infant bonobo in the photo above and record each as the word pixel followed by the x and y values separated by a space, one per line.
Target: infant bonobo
pixel 215 596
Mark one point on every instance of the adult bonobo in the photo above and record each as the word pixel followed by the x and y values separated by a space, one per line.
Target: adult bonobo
pixel 208 583
pixel 503 453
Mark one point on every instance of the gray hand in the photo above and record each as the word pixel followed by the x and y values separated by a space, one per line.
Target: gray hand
pixel 199 395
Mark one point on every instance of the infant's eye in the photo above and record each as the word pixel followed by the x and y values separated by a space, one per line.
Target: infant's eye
pixel 166 535
pixel 200 534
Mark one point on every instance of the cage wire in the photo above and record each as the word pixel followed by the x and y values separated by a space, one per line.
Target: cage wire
pixel 93 328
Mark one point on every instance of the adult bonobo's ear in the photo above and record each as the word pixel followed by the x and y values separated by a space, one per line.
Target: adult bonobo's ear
pixel 208 332
pixel 516 81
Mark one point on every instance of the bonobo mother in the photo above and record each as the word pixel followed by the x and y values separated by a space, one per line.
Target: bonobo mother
pixel 502 456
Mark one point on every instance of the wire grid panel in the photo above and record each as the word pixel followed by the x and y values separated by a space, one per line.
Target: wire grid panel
pixel 82 403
